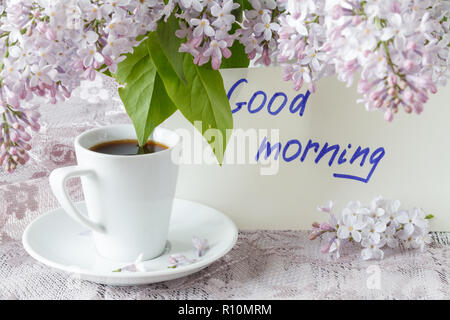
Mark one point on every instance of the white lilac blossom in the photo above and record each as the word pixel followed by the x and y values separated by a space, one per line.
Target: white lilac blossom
pixel 48 47
pixel 399 48
pixel 380 224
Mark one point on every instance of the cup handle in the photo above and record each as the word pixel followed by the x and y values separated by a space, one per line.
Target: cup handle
pixel 58 179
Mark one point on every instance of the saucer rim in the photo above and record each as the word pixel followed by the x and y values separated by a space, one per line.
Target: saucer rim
pixel 195 266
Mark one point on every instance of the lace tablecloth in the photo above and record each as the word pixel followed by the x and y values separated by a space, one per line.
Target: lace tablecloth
pixel 262 265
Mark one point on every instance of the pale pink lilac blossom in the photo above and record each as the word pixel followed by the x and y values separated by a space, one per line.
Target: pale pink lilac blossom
pixel 207 29
pixel 260 30
pixel 400 49
pixel 49 47
pixel 301 46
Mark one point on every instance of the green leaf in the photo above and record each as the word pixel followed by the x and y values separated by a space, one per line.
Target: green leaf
pixel 238 59
pixel 201 98
pixel 108 73
pixel 177 89
pixel 161 108
pixel 239 12
pixel 245 5
pixel 104 69
pixel 130 68
pixel 430 216
pixel 170 44
pixel 209 104
pixel 143 95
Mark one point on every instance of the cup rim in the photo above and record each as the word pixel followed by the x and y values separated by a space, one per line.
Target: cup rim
pixel 121 156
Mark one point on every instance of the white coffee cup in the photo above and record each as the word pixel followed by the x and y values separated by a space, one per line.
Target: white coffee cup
pixel 128 198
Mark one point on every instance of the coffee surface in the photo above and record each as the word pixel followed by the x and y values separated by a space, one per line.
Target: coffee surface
pixel 127 147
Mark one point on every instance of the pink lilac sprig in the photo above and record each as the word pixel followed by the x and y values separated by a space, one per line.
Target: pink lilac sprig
pixel 382 223
pixel 259 30
pixel 397 48
pixel 48 47
pixel 206 27
pixel 400 49
pixel 333 243
pixel 301 45
pixel 15 135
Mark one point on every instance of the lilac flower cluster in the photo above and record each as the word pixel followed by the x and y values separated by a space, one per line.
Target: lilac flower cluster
pixel 14 135
pixel 207 29
pixel 400 48
pixel 380 224
pixel 302 49
pixel 210 29
pixel 48 47
pixel 259 33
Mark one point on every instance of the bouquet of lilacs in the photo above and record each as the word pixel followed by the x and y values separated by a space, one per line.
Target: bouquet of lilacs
pixel 381 224
pixel 167 52
pixel 160 51
pixel 399 48
pixel 49 47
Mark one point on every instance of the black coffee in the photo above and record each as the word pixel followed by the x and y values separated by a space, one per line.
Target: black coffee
pixel 127 147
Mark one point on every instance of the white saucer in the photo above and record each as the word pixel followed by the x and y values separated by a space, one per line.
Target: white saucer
pixel 59 242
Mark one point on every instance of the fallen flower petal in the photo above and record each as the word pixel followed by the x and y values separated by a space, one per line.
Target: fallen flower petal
pixel 200 245
pixel 136 266
pixel 179 260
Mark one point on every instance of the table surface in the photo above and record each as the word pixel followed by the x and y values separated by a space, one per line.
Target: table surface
pixel 263 264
